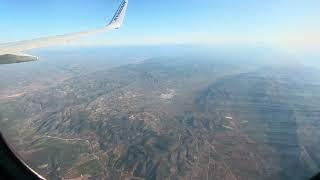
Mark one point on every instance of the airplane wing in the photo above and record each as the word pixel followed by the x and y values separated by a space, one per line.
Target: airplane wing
pixel 13 52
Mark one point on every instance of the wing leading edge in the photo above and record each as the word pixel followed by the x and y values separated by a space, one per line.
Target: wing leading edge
pixel 16 48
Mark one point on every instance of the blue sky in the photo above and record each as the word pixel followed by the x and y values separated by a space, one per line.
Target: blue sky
pixel 284 23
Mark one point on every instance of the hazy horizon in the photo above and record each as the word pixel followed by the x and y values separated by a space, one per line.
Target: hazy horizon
pixel 286 24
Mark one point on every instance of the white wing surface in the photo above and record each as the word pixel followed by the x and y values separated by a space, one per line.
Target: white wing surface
pixel 16 49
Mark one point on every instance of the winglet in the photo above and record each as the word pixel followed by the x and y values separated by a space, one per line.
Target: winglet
pixel 118 18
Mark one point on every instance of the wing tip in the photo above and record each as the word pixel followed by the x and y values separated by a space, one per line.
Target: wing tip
pixel 118 17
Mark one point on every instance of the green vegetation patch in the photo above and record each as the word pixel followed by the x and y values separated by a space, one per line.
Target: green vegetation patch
pixel 92 167
pixel 57 152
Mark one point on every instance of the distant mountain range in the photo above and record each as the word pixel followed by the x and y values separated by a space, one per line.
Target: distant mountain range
pixel 172 118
